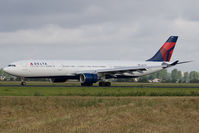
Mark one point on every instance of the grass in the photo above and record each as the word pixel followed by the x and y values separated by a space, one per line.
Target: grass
pixel 99 109
pixel 129 89
pixel 98 114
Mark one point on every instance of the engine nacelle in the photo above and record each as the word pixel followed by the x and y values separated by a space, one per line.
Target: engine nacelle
pixel 88 78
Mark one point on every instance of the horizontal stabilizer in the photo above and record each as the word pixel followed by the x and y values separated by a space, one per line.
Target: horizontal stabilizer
pixel 166 65
pixel 184 62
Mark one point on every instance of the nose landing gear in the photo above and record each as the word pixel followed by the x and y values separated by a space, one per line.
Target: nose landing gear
pixel 23 83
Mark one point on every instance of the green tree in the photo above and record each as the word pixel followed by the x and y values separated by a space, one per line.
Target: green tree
pixel 163 75
pixel 143 79
pixel 194 77
pixel 152 76
pixel 176 75
pixel 186 77
pixel 179 76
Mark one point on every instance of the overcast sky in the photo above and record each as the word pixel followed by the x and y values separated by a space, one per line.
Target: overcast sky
pixel 98 29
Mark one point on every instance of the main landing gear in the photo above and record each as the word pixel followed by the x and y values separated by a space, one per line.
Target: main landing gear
pixel 23 83
pixel 104 83
pixel 101 84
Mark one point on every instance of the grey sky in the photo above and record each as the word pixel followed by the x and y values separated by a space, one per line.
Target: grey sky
pixel 97 29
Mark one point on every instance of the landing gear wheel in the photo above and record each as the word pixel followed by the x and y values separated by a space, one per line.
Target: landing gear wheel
pixel 108 83
pixel 23 83
pixel 86 84
pixel 104 83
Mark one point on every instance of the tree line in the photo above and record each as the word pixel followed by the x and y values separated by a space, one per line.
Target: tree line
pixel 175 76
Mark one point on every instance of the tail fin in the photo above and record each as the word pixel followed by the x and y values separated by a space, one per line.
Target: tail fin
pixel 165 52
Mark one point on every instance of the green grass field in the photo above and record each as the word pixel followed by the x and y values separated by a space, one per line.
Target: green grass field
pixel 69 108
pixel 118 89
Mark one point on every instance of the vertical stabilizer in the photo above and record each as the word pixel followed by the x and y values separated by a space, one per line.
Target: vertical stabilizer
pixel 165 52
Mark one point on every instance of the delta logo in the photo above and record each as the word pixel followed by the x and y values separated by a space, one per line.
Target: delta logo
pixel 38 63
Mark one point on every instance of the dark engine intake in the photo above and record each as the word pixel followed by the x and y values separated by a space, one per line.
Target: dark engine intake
pixel 88 78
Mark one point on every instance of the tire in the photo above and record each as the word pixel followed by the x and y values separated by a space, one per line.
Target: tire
pixel 23 83
pixel 82 84
pixel 104 84
pixel 100 83
pixel 107 83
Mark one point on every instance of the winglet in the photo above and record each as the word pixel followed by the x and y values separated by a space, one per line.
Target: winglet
pixel 165 52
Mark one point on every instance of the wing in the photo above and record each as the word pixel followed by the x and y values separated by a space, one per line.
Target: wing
pixel 121 70
pixel 118 70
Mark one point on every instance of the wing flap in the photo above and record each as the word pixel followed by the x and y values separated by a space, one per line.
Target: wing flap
pixel 122 70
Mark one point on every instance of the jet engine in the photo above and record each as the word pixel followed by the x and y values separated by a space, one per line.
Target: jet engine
pixel 88 78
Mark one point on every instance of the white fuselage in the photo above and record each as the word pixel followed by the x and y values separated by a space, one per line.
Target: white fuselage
pixel 52 68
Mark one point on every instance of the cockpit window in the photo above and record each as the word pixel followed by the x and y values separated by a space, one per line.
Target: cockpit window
pixel 11 65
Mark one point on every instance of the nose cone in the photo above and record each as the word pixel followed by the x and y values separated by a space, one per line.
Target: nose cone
pixel 8 70
pixel 5 69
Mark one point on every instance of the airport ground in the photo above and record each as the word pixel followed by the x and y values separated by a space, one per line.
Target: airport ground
pixel 126 107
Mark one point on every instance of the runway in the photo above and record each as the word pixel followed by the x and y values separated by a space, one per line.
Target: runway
pixel 75 86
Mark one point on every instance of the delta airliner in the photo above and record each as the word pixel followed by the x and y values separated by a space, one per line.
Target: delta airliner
pixel 89 72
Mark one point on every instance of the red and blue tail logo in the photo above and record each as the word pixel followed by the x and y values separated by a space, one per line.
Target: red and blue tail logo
pixel 165 52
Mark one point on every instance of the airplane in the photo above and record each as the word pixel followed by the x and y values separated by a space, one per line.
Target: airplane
pixel 91 71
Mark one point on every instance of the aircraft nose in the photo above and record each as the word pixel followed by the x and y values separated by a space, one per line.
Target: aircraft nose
pixel 5 69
